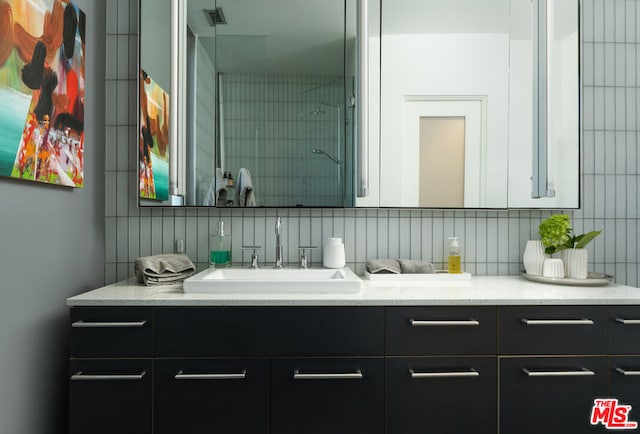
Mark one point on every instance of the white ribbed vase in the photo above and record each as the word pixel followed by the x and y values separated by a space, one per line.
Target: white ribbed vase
pixel 533 257
pixel 575 263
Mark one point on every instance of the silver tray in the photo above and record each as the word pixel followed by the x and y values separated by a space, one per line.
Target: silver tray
pixel 593 279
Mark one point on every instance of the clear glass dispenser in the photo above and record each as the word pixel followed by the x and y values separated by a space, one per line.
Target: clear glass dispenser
pixel 220 248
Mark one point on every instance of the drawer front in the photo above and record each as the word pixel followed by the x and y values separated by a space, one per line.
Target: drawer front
pixel 553 330
pixel 320 396
pixel 280 331
pixel 440 330
pixel 430 395
pixel 624 374
pixel 111 332
pixel 624 329
pixel 552 394
pixel 194 396
pixel 110 396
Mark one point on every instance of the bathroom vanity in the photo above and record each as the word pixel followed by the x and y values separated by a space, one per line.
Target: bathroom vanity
pixel 495 354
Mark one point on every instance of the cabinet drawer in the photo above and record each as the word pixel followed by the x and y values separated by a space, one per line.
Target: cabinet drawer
pixel 553 330
pixel 111 332
pixel 625 381
pixel 440 330
pixel 110 396
pixel 320 396
pixel 194 396
pixel 550 394
pixel 624 327
pixel 430 394
pixel 280 331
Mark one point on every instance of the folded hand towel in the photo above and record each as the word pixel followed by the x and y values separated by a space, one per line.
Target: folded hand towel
pixel 416 266
pixel 388 266
pixel 163 269
pixel 245 195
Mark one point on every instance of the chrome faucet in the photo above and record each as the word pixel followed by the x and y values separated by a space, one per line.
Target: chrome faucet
pixel 278 243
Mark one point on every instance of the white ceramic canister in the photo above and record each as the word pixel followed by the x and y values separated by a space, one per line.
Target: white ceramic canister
pixel 533 257
pixel 333 253
pixel 553 267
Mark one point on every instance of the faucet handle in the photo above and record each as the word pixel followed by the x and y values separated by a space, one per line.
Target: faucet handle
pixel 304 255
pixel 254 255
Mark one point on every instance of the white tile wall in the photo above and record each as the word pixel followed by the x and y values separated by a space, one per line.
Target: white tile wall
pixel 492 241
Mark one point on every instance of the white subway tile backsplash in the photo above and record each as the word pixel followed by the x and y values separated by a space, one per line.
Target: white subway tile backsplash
pixel 609 65
pixel 110 194
pixel 610 196
pixel 620 21
pixel 122 240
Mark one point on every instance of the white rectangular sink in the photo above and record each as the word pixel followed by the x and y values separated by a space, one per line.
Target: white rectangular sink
pixel 268 280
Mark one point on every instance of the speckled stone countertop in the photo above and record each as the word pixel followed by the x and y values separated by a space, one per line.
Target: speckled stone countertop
pixel 480 290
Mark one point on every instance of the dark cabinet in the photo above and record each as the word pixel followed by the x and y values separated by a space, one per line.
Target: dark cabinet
pixel 265 331
pixel 228 396
pixel 111 370
pixel 444 395
pixel 624 325
pixel 624 374
pixel 334 395
pixel 110 396
pixel 111 332
pixel 553 330
pixel 550 395
pixel 440 330
pixel 351 370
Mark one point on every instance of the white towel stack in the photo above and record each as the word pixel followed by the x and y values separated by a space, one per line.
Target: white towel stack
pixel 163 269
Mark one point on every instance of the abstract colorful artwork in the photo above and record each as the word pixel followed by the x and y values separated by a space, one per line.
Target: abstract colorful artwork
pixel 153 146
pixel 42 54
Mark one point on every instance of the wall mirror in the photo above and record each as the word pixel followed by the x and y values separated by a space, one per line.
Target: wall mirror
pixel 470 104
pixel 267 118
pixel 479 101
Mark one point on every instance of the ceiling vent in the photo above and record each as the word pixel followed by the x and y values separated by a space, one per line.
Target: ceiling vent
pixel 215 16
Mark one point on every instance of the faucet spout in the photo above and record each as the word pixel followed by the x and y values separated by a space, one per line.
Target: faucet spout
pixel 278 243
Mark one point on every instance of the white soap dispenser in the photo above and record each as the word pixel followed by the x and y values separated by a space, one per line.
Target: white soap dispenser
pixel 333 253
pixel 454 266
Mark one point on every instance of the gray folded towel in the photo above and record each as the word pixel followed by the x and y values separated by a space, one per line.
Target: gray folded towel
pixel 163 269
pixel 413 266
pixel 386 266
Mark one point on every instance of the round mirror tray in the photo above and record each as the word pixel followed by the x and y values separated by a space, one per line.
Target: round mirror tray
pixel 593 279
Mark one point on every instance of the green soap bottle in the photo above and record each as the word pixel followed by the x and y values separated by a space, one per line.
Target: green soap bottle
pixel 220 248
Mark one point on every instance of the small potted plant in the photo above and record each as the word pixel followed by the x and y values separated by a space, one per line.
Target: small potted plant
pixel 557 236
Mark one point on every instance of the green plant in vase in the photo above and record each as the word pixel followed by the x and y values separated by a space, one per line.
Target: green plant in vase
pixel 557 235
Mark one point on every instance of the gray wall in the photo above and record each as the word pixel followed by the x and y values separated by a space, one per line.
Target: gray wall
pixel 492 242
pixel 52 247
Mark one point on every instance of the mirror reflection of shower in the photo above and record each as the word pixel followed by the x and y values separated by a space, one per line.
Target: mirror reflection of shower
pixel 320 112
pixel 321 152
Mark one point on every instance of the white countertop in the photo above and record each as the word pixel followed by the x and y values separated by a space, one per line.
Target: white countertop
pixel 480 290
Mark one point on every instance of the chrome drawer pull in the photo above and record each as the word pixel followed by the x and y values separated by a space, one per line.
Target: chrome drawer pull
pixel 583 321
pixel 106 377
pixel 239 376
pixel 297 375
pixel 629 373
pixel 581 373
pixel 469 373
pixel 98 324
pixel 628 321
pixel 428 323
